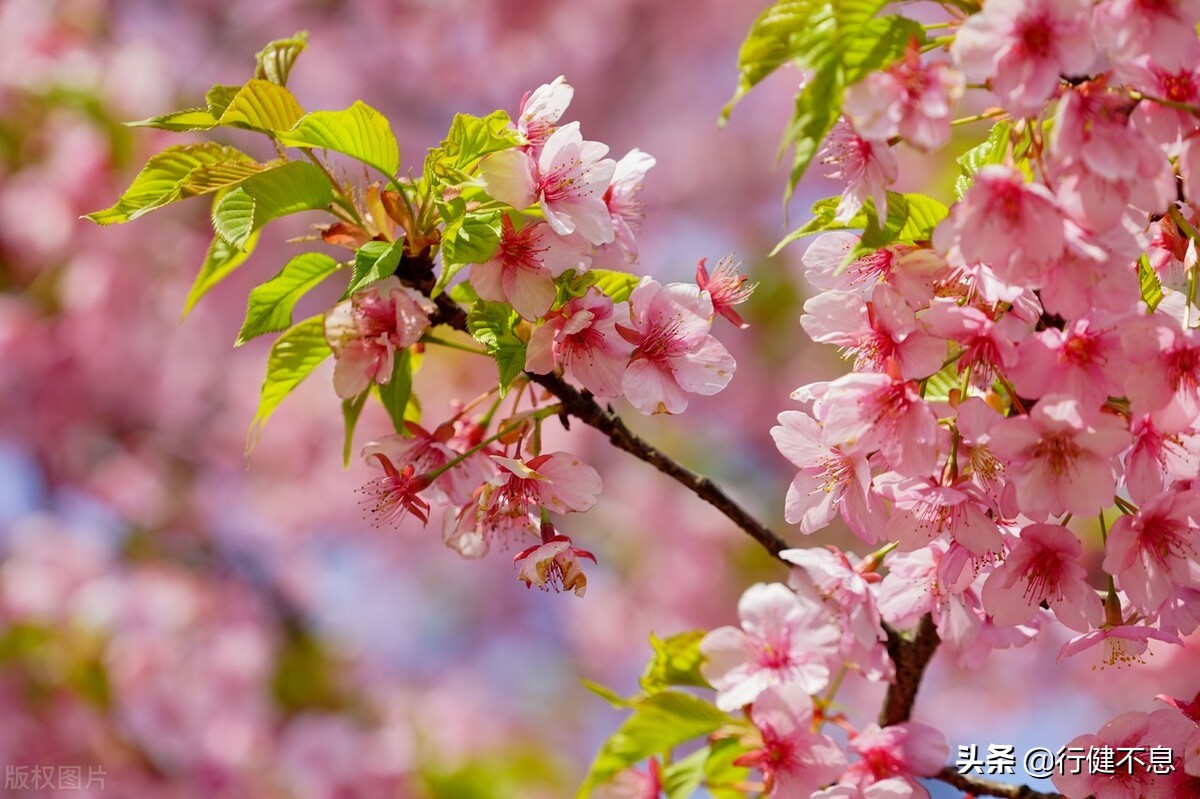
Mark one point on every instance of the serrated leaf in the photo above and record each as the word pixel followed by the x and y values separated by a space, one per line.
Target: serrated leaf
pixel 219 263
pixel 493 325
pixel 269 306
pixel 770 44
pixel 296 353
pixel 470 138
pixel 879 43
pixel 184 120
pixel 658 724
pixel 374 261
pixel 263 106
pixel 274 62
pixel 937 387
pixel 351 410
pixel 463 293
pixel 911 218
pixel 219 97
pixel 617 285
pixel 396 392
pixel 990 151
pixel 286 189
pixel 472 239
pixel 163 179
pixel 676 662
pixel 359 131
pixel 1151 286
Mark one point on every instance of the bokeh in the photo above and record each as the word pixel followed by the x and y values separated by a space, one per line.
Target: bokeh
pixel 179 620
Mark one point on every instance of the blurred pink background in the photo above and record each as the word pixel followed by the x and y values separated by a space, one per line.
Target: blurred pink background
pixel 191 625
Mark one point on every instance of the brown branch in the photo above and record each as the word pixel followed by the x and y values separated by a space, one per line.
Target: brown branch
pixel 910 656
pixel 978 786
pixel 583 407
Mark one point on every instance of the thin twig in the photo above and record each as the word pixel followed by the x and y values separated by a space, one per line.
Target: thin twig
pixel 978 786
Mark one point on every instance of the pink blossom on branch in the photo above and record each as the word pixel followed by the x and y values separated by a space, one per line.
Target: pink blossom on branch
pixel 901 751
pixel 542 108
pixel 910 100
pixel 726 286
pixel 581 336
pixel 1043 566
pixel 365 330
pixel 567 181
pixel 794 760
pixel 523 269
pixel 866 167
pixel 674 353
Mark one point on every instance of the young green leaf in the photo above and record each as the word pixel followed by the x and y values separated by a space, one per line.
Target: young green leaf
pixel 617 285
pixel 684 777
pixel 470 138
pixel 219 263
pixel 164 177
pixel 296 353
pixel 269 307
pixel 351 410
pixel 1151 286
pixel 274 62
pixel 396 393
pixel 493 324
pixel 359 131
pixel 911 218
pixel 990 151
pixel 285 189
pixel 659 723
pixel 263 106
pixel 676 661
pixel 471 239
pixel 374 261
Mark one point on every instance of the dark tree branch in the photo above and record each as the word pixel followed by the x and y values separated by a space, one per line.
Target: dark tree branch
pixel 978 786
pixel 583 407
pixel 910 657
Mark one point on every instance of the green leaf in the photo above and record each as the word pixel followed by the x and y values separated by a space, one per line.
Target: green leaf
pixel 658 724
pixel 617 285
pixel 879 43
pixel 274 62
pixel 396 393
pixel 269 307
pixel 684 777
pixel 720 772
pixel 463 293
pixel 471 239
pixel 470 138
pixel 676 661
pixel 817 107
pixel 162 179
pixel 296 353
pixel 493 325
pixel 606 693
pixel 911 218
pixel 351 409
pixel 263 106
pixel 219 263
pixel 1151 286
pixel 374 261
pixel 218 99
pixel 359 131
pixel 772 40
pixel 285 189
pixel 991 151
pixel 938 386
pixel 187 119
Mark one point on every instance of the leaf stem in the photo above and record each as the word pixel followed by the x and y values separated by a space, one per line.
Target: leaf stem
pixel 454 345
pixel 992 113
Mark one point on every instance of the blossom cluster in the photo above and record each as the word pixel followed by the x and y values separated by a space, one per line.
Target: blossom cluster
pixel 566 209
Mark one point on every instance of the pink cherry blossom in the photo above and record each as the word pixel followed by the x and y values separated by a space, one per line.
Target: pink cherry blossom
pixel 1171 252
pixel 1060 456
pixel 1121 645
pixel 911 271
pixel 866 167
pixel 581 337
pixel 510 502
pixel 987 341
pixel 1089 277
pixel 396 494
pixel 910 100
pixel 874 331
pixel 427 452
pixel 553 564
pixel 1131 30
pixel 794 760
pixel 975 422
pixel 674 355
pixel 1155 548
pixel 1164 373
pixel 568 181
pixel 542 108
pixel 1013 226
pixel 1134 731
pixel 900 751
pixel 829 574
pixel 1156 458
pixel 829 481
pixel 893 788
pixel 365 330
pixel 864 412
pixel 1082 360
pixel 1043 566
pixel 784 638
pixel 626 206
pixel 1165 125
pixel 1023 46
pixel 924 510
pixel 726 286
pixel 523 269
pixel 633 784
